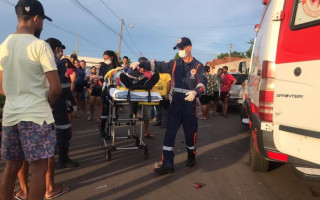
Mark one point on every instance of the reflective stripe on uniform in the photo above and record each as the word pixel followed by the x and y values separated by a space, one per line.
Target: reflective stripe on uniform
pixel 180 90
pixel 191 148
pixel 66 126
pixel 104 117
pixel 172 74
pixel 65 85
pixel 165 148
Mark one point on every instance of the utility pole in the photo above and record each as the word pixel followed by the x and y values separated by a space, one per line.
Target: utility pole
pixel 120 38
pixel 230 49
pixel 140 54
pixel 77 49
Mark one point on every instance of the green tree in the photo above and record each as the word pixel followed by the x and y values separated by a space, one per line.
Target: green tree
pixel 235 54
pixel 223 55
pixel 249 51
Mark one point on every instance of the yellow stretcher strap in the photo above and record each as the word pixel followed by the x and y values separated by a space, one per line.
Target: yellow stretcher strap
pixel 148 104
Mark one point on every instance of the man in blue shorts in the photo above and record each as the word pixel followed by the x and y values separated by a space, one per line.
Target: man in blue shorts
pixel 28 131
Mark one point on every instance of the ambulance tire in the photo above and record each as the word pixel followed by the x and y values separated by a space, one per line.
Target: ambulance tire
pixel 257 162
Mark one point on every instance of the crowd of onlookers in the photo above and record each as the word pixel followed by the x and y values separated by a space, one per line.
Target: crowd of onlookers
pixel 50 91
pixel 86 88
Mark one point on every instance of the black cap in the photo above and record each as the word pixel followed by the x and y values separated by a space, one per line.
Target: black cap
pixel 30 8
pixel 183 42
pixel 74 56
pixel 54 43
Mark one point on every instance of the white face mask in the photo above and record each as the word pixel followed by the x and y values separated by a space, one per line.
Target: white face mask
pixel 182 54
pixel 108 62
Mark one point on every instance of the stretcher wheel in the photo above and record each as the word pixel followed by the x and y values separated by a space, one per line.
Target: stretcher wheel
pixel 108 155
pixel 146 152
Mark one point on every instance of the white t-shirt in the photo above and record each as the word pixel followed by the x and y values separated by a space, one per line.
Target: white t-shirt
pixel 24 59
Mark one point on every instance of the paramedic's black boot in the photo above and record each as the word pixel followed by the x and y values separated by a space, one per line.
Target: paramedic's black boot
pixel 126 80
pixel 191 160
pixel 162 170
pixel 153 81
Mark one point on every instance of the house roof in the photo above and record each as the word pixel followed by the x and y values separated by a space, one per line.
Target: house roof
pixel 222 61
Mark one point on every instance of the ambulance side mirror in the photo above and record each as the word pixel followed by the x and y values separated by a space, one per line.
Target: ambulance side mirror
pixel 242 68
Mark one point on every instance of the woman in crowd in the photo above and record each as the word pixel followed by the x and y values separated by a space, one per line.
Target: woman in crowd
pixel 207 96
pixel 95 92
pixel 79 85
pixel 72 75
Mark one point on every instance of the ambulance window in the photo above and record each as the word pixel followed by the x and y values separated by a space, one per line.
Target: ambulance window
pixel 305 13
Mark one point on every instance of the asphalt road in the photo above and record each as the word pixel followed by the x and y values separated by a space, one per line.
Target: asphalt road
pixel 222 167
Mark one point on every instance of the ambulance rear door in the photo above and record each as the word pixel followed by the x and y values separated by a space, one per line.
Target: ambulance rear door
pixel 296 109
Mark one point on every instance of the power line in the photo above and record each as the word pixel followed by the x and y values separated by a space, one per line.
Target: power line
pixel 73 33
pixel 162 34
pixel 225 26
pixel 63 29
pixel 104 3
pixel 81 6
pixel 114 13
pixel 131 38
pixel 8 2
pixel 125 42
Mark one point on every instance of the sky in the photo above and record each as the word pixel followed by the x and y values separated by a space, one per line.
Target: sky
pixel 151 27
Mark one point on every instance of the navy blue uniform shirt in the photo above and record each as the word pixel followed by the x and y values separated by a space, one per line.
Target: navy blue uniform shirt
pixel 186 75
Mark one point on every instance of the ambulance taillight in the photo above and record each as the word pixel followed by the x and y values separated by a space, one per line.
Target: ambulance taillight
pixel 266 94
pixel 265 2
pixel 256 28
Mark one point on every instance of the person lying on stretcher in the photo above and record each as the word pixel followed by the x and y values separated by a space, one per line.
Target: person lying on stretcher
pixel 138 78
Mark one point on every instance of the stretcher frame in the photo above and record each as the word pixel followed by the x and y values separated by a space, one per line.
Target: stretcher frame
pixel 113 120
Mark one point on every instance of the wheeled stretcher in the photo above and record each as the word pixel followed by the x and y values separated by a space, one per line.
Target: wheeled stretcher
pixel 121 97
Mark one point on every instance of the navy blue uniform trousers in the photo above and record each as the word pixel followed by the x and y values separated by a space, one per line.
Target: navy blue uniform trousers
pixel 180 112
pixel 63 128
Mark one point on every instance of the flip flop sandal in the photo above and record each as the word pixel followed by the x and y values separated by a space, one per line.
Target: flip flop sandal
pixel 15 195
pixel 63 189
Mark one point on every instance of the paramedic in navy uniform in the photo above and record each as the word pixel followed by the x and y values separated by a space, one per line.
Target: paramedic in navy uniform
pixel 188 82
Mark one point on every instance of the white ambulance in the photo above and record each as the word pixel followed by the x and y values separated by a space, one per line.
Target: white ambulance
pixel 282 103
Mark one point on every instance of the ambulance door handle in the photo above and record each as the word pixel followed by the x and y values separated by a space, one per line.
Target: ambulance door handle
pixel 259 72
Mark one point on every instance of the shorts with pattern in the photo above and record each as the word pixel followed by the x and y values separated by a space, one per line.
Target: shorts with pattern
pixel 28 141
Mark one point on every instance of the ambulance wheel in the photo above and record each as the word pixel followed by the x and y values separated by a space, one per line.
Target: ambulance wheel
pixel 146 152
pixel 257 162
pixel 108 155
